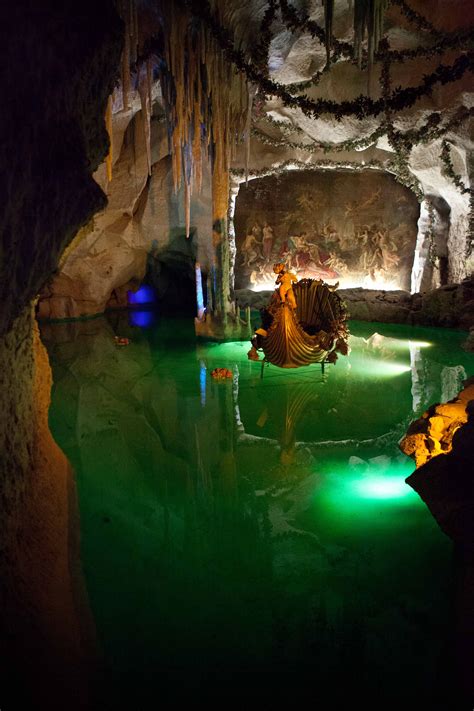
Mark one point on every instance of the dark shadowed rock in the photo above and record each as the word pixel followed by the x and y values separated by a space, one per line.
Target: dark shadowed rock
pixel 446 482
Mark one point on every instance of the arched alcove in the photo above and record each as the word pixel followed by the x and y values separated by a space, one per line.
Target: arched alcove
pixel 358 228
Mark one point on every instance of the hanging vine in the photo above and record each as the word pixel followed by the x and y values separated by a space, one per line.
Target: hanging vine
pixel 430 233
pixel 448 169
pixel 421 22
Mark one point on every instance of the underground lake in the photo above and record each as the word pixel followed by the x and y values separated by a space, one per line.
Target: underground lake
pixel 254 537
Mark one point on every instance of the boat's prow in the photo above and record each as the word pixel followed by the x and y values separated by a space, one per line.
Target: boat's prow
pixel 288 346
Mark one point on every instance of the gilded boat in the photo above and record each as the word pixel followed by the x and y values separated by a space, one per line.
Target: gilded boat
pixel 311 333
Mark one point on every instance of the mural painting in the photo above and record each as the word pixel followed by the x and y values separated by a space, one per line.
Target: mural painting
pixel 356 228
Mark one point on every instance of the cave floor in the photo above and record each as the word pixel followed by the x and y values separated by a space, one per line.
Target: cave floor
pixel 254 539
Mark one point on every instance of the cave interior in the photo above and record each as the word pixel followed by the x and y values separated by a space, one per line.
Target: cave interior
pixel 174 515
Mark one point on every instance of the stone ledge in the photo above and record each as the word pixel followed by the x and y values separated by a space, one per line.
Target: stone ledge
pixel 451 306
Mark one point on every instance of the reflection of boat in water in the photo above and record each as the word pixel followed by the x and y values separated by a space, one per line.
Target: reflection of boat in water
pixel 311 333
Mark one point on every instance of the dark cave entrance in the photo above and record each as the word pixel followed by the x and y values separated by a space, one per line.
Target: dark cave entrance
pixel 171 274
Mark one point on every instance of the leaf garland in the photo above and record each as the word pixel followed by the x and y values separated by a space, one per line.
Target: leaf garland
pixel 326 164
pixel 432 251
pixel 260 53
pixel 361 107
pixel 429 131
pixel 301 165
pixel 294 21
pixel 448 169
pixel 415 17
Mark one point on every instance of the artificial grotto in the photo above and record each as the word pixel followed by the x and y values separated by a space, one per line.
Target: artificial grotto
pixel 180 522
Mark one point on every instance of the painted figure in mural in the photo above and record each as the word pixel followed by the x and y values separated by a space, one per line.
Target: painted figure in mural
pixel 267 241
pixel 336 264
pixel 257 231
pixel 328 235
pixel 285 281
pixel 388 250
pixel 258 275
pixel 302 256
pixel 251 250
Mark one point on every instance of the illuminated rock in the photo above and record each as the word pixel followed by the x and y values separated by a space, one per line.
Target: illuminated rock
pixel 432 434
pixel 446 484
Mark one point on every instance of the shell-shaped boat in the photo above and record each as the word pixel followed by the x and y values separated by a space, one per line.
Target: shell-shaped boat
pixel 312 332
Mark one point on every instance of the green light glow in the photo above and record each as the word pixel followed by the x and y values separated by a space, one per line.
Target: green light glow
pixel 420 344
pixel 373 368
pixel 364 490
pixel 398 344
pixel 381 487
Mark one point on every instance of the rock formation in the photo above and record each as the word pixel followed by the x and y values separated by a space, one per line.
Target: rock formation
pixel 432 434
pixel 144 214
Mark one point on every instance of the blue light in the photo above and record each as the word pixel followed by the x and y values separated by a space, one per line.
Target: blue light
pixel 202 382
pixel 142 319
pixel 143 295
pixel 199 292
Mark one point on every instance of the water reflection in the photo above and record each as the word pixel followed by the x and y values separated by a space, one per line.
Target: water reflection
pixel 142 319
pixel 254 525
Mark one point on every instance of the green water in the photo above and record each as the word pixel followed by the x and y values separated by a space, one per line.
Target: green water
pixel 255 538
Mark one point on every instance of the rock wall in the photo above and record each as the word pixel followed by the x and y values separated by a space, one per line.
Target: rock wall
pixel 47 640
pixel 142 227
pixel 432 434
pixel 53 135
pixel 441 443
pixel 59 66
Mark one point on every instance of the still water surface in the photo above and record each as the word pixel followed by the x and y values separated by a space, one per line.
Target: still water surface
pixel 255 538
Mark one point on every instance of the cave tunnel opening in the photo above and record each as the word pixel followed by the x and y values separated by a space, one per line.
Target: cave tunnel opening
pixel 170 275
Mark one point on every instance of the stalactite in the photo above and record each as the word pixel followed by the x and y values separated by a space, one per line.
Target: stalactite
pixel 328 17
pixel 210 299
pixel 149 81
pixel 248 128
pixel 207 105
pixel 125 69
pixel 108 126
pixel 368 14
pixel 132 30
pixel 187 206
pixel 143 90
